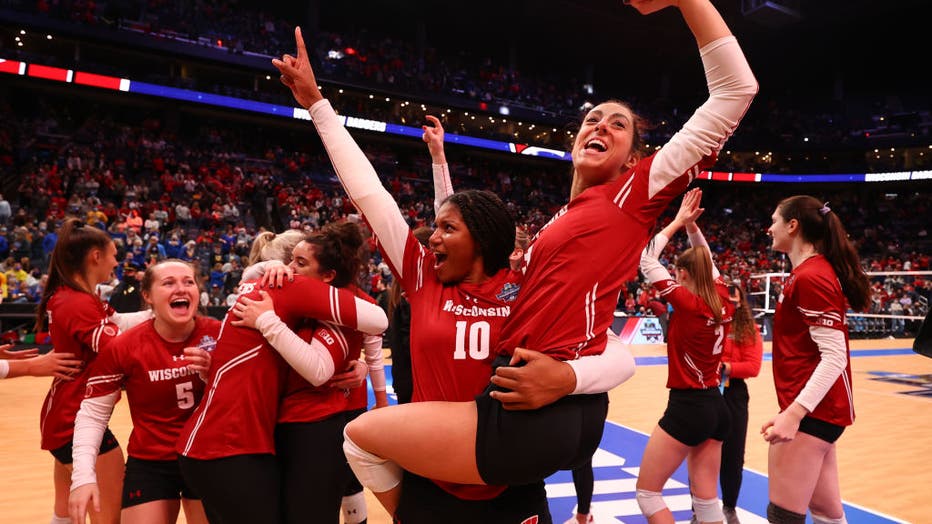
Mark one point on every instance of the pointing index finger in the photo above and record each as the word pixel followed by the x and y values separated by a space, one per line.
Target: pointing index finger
pixel 299 40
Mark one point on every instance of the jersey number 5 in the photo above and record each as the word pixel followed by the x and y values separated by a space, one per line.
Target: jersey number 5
pixel 478 340
pixel 185 392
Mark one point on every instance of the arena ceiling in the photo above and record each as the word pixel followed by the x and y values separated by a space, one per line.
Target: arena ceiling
pixel 870 46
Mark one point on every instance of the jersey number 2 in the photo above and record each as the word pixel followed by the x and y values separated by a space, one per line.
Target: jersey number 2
pixel 720 338
pixel 185 392
pixel 478 340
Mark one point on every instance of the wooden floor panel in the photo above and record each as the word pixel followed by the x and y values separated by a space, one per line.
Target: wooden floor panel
pixel 883 459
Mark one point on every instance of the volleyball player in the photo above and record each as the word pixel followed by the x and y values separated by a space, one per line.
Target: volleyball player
pixel 811 361
pixel 157 363
pixel 417 492
pixel 227 446
pixel 613 207
pixel 313 412
pixel 741 359
pixel 80 324
pixel 696 420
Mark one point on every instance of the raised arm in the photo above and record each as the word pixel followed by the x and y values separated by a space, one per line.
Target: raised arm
pixel 696 238
pixel 443 185
pixel 689 210
pixel 354 170
pixel 731 84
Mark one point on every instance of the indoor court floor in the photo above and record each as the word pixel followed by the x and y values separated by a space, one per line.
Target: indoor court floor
pixel 883 461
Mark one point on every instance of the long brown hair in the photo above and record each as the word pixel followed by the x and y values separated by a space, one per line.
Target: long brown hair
pixel 698 261
pixel 743 326
pixel 821 227
pixel 338 248
pixel 75 241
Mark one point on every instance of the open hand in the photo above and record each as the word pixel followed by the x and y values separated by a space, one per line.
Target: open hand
pixel 353 376
pixel 248 310
pixel 542 381
pixel 276 274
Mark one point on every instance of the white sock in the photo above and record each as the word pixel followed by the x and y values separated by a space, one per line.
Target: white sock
pixel 822 519
pixel 60 520
pixel 354 508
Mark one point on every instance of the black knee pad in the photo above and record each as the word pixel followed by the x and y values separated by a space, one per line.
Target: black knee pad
pixel 779 515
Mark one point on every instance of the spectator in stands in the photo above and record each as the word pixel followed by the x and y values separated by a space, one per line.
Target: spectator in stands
pixel 126 297
pixel 6 211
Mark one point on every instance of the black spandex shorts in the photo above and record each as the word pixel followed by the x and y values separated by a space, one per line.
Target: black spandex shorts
pixel 696 415
pixel 107 443
pixel 149 480
pixel 424 502
pixel 821 429
pixel 524 447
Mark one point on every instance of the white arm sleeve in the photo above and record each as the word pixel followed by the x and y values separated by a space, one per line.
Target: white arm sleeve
pixel 361 183
pixel 311 360
pixel 370 318
pixel 650 264
pixel 698 239
pixel 601 373
pixel 89 426
pixel 831 344
pixel 126 321
pixel 372 350
pixel 4 368
pixel 443 185
pixel 732 87
pixel 255 271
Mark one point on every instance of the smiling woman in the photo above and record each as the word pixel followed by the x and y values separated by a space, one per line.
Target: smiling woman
pixel 157 363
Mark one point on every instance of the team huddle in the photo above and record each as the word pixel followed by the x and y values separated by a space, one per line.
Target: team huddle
pixel 261 417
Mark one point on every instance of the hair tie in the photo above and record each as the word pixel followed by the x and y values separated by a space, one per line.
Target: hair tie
pixel 824 210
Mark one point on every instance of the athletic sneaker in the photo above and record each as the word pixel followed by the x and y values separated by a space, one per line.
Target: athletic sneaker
pixel 572 520
pixel 731 516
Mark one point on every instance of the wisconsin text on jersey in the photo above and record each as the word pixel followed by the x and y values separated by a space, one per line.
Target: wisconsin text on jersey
pixel 158 375
pixel 476 311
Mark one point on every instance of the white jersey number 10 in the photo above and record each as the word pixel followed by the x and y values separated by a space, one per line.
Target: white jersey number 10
pixel 478 340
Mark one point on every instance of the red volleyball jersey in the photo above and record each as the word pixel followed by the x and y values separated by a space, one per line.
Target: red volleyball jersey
pixel 695 341
pixel 161 391
pixel 239 410
pixel 579 261
pixel 304 402
pixel 453 327
pixel 452 330
pixel 78 324
pixel 812 296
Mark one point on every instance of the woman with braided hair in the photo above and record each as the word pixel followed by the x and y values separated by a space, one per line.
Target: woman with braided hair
pixel 811 360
